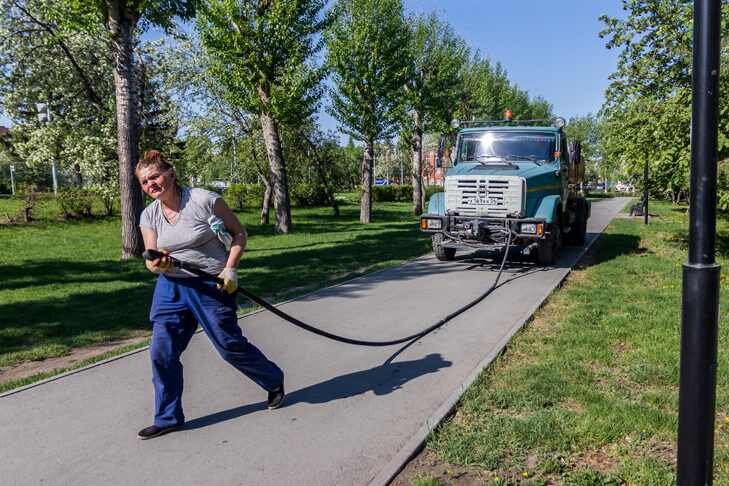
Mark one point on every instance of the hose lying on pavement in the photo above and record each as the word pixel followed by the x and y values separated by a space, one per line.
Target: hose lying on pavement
pixel 154 254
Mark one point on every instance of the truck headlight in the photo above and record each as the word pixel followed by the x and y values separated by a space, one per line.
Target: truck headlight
pixel 431 223
pixel 529 228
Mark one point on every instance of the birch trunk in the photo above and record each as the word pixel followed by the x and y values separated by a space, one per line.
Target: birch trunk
pixel 266 204
pixel 417 163
pixel 122 26
pixel 365 207
pixel 279 182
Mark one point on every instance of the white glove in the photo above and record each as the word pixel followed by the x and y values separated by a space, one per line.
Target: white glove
pixel 230 280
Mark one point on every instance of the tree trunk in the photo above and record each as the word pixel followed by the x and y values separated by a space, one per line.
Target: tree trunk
pixel 365 207
pixel 276 161
pixel 324 181
pixel 266 204
pixel 78 179
pixel 263 176
pixel 417 162
pixel 121 26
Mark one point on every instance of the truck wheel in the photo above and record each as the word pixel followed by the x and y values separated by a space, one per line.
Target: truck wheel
pixel 548 248
pixel 442 253
pixel 579 227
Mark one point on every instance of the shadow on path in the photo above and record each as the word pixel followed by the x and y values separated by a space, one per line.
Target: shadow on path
pixel 381 380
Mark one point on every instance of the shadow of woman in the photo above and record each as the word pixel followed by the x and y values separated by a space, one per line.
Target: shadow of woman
pixel 381 380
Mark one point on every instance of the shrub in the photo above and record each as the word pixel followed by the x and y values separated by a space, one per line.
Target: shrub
pixel 242 195
pixel 235 196
pixel 307 194
pixel 392 193
pixel 383 193
pixel 75 203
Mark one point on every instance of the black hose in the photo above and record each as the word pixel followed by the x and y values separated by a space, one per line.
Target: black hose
pixel 154 254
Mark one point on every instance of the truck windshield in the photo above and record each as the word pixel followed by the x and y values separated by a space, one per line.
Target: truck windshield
pixel 480 146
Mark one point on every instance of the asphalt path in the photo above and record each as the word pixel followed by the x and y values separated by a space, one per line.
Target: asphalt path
pixel 353 415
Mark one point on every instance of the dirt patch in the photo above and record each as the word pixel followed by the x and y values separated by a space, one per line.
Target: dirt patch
pixel 427 464
pixel 604 460
pixel 663 450
pixel 30 368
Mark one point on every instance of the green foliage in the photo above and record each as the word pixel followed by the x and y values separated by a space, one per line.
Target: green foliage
pixel 647 112
pixel 241 196
pixel 436 82
pixel 68 66
pixel 392 193
pixel 75 203
pixel 261 52
pixel 309 194
pixel 488 93
pixel 370 62
pixel 655 39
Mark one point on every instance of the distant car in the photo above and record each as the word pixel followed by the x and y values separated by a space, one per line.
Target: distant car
pixel 624 187
pixel 381 181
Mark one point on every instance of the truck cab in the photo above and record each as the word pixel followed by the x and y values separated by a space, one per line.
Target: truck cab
pixel 510 181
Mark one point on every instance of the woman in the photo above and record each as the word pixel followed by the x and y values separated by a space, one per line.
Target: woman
pixel 178 224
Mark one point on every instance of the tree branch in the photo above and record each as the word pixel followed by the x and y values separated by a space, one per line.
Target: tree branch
pixel 90 93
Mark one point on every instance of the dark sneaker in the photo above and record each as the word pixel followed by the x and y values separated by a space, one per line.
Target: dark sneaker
pixel 155 431
pixel 276 397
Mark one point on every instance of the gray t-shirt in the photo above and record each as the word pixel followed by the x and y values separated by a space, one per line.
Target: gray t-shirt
pixel 190 238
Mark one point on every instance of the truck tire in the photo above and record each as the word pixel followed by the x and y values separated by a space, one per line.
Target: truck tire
pixel 548 248
pixel 578 230
pixel 442 253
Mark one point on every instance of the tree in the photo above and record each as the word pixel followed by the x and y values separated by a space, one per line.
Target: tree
pixel 586 130
pixel 488 93
pixel 123 20
pixel 433 88
pixel 369 58
pixel 648 103
pixel 42 61
pixel 262 52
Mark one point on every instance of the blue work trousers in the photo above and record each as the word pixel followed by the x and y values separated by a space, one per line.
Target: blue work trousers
pixel 178 305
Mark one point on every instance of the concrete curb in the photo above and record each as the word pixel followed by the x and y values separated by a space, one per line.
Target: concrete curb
pixel 417 441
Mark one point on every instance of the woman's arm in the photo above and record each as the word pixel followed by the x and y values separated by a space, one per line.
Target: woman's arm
pixel 238 245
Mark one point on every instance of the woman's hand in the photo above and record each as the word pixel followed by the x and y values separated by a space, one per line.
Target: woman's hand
pixel 160 265
pixel 230 280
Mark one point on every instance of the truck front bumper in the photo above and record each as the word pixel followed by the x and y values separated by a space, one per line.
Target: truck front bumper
pixel 469 231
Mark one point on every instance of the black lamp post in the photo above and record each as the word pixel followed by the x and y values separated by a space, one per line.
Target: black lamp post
pixel 700 305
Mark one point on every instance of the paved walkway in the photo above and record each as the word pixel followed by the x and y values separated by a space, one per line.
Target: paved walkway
pixel 352 415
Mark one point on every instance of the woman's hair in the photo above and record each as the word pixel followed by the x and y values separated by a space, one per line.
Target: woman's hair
pixel 153 158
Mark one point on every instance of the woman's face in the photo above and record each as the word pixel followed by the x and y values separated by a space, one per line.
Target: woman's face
pixel 157 182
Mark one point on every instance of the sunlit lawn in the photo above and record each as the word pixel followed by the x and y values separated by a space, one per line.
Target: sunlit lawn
pixel 588 393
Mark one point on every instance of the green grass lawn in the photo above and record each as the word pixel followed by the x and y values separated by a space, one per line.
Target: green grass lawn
pixel 587 393
pixel 63 285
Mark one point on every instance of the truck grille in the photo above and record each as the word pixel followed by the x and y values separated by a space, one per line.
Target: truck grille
pixel 492 196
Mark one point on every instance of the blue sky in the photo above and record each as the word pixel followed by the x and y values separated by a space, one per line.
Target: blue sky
pixel 549 48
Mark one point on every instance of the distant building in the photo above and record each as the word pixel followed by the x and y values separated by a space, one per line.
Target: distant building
pixel 432 175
